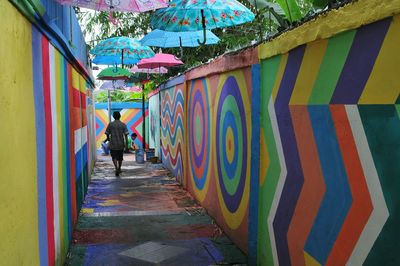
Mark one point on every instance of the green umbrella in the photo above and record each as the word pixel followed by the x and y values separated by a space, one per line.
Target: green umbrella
pixel 114 73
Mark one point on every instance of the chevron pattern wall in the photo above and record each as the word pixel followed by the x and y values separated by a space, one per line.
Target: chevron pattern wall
pixel 330 135
pixel 132 116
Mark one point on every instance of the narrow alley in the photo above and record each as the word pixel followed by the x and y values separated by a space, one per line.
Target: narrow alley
pixel 144 217
pixel 272 129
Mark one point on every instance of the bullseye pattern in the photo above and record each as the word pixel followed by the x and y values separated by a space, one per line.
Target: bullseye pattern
pixel 232 144
pixel 199 137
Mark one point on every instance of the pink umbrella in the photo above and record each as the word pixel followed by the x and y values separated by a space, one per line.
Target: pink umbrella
pixel 117 5
pixel 135 89
pixel 159 60
pixel 161 70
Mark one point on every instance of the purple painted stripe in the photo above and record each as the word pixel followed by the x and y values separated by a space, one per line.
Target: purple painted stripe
pixel 360 62
pixel 40 125
pixel 295 179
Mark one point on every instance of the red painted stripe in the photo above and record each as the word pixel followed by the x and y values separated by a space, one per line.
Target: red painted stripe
pixel 76 98
pixel 49 148
pixel 72 146
pixel 362 206
pixel 83 100
pixel 313 189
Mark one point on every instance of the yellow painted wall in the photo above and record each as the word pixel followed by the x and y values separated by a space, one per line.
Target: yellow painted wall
pixel 18 192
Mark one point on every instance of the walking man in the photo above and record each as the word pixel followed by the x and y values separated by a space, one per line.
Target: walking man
pixel 117 134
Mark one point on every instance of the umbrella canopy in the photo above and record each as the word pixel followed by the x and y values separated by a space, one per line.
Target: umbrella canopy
pixel 134 89
pixel 117 5
pixel 114 60
pixel 112 85
pixel 159 60
pixel 121 47
pixel 168 39
pixel 184 15
pixel 114 73
pixel 158 70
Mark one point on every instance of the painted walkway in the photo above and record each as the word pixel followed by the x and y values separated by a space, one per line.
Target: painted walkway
pixel 144 217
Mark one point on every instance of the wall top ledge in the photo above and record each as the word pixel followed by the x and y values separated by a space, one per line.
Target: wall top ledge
pixel 351 16
pixel 224 63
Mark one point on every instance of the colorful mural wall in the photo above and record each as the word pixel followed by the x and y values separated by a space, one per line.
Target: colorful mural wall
pixel 131 115
pixel 172 127
pixel 46 164
pixel 295 154
pixel 330 135
pixel 219 147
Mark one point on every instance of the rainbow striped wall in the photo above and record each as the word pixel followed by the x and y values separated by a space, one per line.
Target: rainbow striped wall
pixel 131 115
pixel 44 168
pixel 296 155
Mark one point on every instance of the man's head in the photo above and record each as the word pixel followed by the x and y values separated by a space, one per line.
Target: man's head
pixel 133 135
pixel 116 115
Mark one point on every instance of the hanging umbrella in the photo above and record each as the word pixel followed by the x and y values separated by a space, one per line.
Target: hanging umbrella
pixel 159 60
pixel 193 15
pixel 160 70
pixel 114 60
pixel 121 47
pixel 112 85
pixel 169 39
pixel 114 73
pixel 135 89
pixel 117 5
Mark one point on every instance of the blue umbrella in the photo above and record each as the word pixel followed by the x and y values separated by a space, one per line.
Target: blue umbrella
pixel 114 60
pixel 168 39
pixel 120 48
pixel 192 15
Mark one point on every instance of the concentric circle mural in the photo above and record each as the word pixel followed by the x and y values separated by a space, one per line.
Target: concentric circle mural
pixel 232 146
pixel 199 137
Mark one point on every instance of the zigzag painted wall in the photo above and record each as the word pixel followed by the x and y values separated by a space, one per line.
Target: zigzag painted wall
pixel 131 115
pixel 172 130
pixel 45 166
pixel 297 157
pixel 330 136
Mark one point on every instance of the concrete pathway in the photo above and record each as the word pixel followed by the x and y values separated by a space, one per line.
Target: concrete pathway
pixel 144 217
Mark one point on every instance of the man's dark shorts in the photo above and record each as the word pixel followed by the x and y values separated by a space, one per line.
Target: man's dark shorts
pixel 117 154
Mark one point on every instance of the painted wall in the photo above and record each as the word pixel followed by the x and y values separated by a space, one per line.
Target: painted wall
pixel 330 136
pixel 44 168
pixel 219 148
pixel 131 115
pixel 172 129
pixel 296 154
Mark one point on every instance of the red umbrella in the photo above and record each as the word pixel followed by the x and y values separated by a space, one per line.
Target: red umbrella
pixel 159 60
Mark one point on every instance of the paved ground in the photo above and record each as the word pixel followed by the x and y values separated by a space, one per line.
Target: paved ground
pixel 144 217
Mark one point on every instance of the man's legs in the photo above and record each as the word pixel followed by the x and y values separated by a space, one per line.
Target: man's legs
pixel 119 166
pixel 117 156
pixel 115 162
